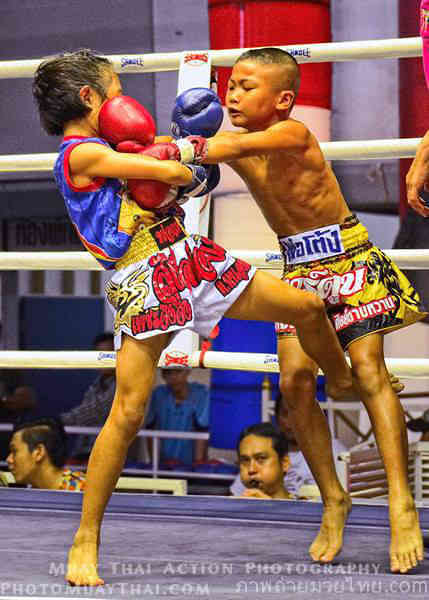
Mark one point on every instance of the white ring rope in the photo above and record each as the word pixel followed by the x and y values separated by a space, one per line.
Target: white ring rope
pixel 411 368
pixel 170 61
pixel 83 261
pixel 349 150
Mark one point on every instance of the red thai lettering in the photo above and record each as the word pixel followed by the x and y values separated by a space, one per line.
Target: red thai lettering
pixel 237 272
pixel 162 317
pixel 330 286
pixel 351 315
pixel 170 278
pixel 168 234
pixel 176 358
pixel 196 56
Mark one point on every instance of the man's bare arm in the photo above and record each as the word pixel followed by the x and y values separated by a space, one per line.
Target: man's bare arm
pixel 288 136
pixel 96 160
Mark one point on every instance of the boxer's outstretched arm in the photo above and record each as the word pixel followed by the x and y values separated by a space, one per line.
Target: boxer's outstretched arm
pixel 288 136
pixel 96 160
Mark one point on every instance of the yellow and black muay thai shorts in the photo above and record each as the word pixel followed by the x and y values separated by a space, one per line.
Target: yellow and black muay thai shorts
pixel 363 290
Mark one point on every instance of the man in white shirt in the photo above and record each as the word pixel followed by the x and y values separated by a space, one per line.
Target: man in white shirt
pixel 298 473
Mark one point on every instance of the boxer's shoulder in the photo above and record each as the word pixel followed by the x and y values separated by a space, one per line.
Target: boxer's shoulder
pixel 83 154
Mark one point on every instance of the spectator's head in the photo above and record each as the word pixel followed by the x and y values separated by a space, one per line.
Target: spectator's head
pixel 38 451
pixel 177 379
pixel 104 342
pixel 263 458
pixel 421 424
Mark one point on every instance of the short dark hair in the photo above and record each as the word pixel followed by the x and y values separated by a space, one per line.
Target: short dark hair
pixel 106 336
pixel 49 432
pixel 267 430
pixel 276 56
pixel 57 83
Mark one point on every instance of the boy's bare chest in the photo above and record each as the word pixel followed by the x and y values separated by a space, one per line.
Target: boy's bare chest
pixel 292 196
pixel 270 175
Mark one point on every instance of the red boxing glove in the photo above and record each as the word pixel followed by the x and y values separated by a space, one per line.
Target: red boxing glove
pixel 123 118
pixel 147 193
pixel 130 147
pixel 162 151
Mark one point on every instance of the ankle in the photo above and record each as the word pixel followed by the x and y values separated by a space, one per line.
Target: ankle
pixel 336 499
pixel 401 502
pixel 86 536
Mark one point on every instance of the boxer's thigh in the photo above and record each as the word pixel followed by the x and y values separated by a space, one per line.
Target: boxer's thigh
pixel 267 298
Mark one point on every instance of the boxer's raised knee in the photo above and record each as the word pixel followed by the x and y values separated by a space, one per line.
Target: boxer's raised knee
pixel 311 311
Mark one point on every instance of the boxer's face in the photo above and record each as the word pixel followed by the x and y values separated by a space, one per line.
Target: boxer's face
pixel 260 465
pixel 253 97
pixel 112 85
pixel 91 97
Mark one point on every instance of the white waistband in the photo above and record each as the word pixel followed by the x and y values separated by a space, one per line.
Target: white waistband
pixel 314 244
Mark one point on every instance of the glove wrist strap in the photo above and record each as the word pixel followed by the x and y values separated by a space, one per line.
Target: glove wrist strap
pixel 186 148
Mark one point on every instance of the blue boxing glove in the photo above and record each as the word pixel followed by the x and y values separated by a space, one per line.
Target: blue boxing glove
pixel 197 111
pixel 201 183
pixel 196 187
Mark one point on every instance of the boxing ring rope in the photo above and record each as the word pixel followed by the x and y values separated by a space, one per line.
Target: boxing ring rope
pixel 350 150
pixel 410 368
pixel 263 259
pixel 170 61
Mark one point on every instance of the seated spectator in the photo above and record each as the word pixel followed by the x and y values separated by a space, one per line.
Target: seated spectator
pixel 38 451
pixel 421 424
pixel 299 473
pixel 263 458
pixel 180 405
pixel 17 402
pixel 96 403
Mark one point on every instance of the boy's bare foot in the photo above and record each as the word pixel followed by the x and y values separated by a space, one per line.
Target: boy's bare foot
pixel 82 564
pixel 406 542
pixel 396 383
pixel 329 540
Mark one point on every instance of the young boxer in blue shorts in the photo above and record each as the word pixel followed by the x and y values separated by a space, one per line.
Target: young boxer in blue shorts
pixel 164 279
